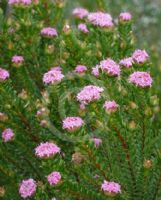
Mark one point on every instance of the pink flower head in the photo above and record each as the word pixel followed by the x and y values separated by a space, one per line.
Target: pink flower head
pixel 27 188
pixel 54 178
pixel 97 142
pixel 46 150
pixel 49 32
pixel 20 2
pixel 80 13
pixel 80 69
pixel 95 71
pixel 53 76
pixel 72 123
pixel 83 28
pixel 111 188
pixel 125 16
pixel 110 67
pixel 140 56
pixel 82 106
pixel 7 135
pixel 89 94
pixel 17 60
pixel 4 74
pixel 100 19
pixel 110 106
pixel 126 62
pixel 141 79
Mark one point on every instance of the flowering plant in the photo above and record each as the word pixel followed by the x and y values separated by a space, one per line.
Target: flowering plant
pixel 78 107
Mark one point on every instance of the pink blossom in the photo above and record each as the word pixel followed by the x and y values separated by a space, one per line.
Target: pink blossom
pixel 111 188
pixel 110 67
pixel 53 76
pixel 49 32
pixel 97 142
pixel 125 16
pixel 4 74
pixel 7 135
pixel 83 28
pixel 80 69
pixel 110 106
pixel 54 178
pixel 72 123
pixel 141 79
pixel 80 13
pixel 46 150
pixel 20 2
pixel 89 94
pixel 27 188
pixel 140 56
pixel 95 71
pixel 126 62
pixel 82 106
pixel 100 19
pixel 18 60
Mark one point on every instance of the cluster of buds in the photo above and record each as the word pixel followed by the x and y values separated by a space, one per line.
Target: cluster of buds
pixel 42 115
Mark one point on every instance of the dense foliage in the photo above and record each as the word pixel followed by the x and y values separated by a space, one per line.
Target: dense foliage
pixel 78 106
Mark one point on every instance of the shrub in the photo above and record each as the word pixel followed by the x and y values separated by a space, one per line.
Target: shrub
pixel 77 109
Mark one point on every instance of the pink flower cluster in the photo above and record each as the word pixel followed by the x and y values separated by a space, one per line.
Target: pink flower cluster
pixel 97 142
pixel 80 69
pixel 27 188
pixel 72 123
pixel 80 13
pixel 46 150
pixel 125 16
pixel 54 178
pixel 17 60
pixel 7 135
pixel 110 106
pixel 100 19
pixel 20 2
pixel 110 67
pixel 4 74
pixel 126 62
pixel 140 56
pixel 95 71
pixel 83 28
pixel 111 188
pixel 141 79
pixel 49 32
pixel 53 76
pixel 89 94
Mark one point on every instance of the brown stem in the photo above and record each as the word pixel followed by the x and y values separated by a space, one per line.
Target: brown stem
pixel 143 138
pixel 78 195
pixel 26 123
pixel 97 165
pixel 126 150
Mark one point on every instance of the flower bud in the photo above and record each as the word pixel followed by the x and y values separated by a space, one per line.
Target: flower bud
pixel 59 3
pixel 23 94
pixel 50 49
pixel 2 191
pixel 77 158
pixel 67 29
pixel 147 164
pixel 148 111
pixel 133 105
pixel 132 125
pixel 44 123
pixel 3 117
